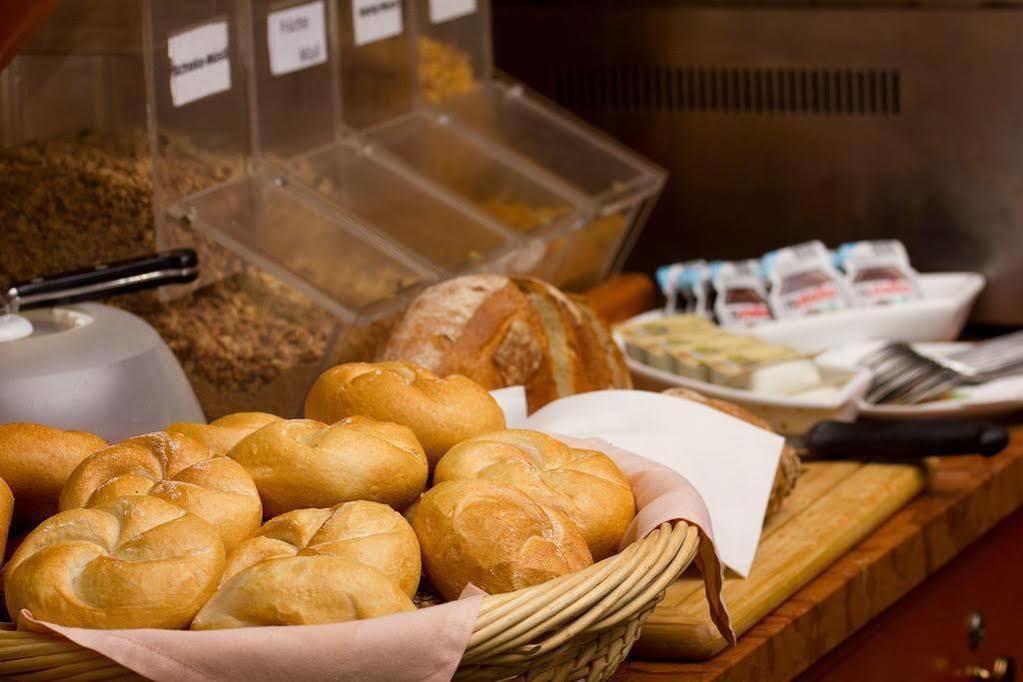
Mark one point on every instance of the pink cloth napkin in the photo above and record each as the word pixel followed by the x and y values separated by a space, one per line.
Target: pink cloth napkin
pixel 423 645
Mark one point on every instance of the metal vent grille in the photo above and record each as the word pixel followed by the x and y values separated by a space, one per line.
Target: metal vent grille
pixel 731 90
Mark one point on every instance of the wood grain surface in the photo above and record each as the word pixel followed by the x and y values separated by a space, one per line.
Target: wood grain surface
pixel 965 498
pixel 834 506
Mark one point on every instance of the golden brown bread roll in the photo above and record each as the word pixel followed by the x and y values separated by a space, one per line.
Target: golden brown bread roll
pixel 175 468
pixel 36 461
pixel 222 434
pixel 302 463
pixel 584 485
pixel 492 535
pixel 500 332
pixel 306 589
pixel 369 533
pixel 6 512
pixel 788 466
pixel 440 412
pixel 139 562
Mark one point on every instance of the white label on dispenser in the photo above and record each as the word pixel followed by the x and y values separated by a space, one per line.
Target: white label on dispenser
pixel 446 10
pixel 375 20
pixel 297 37
pixel 199 63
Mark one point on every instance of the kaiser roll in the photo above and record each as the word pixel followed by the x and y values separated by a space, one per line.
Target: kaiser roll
pixel 36 461
pixel 301 463
pixel 492 535
pixel 140 562
pixel 222 434
pixel 584 485
pixel 441 412
pixel 369 533
pixel 307 589
pixel 175 468
pixel 788 466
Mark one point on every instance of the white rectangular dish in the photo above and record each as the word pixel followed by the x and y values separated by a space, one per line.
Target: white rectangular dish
pixel 788 416
pixel 939 316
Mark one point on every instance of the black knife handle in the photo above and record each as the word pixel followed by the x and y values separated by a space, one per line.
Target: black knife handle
pixel 106 279
pixel 904 440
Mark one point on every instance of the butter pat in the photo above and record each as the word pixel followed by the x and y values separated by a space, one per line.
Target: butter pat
pixel 786 378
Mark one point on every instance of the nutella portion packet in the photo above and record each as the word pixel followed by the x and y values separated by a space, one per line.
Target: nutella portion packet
pixel 804 281
pixel 685 285
pixel 878 272
pixel 741 300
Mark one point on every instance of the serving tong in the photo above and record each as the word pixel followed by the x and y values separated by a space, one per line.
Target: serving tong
pixel 178 266
pixel 904 376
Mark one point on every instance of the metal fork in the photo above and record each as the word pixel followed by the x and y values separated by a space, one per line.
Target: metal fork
pixel 903 376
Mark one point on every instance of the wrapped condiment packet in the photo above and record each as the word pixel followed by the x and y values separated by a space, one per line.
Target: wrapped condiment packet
pixel 878 272
pixel 804 281
pixel 740 295
pixel 685 287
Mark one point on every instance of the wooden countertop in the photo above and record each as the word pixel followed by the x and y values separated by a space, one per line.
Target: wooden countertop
pixel 966 497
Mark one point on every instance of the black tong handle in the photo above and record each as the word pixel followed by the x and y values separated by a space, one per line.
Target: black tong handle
pixel 107 279
pixel 904 440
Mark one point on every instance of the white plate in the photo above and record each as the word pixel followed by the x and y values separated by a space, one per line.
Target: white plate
pixel 789 416
pixel 939 316
pixel 992 399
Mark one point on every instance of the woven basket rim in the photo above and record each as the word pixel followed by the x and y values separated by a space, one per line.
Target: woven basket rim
pixel 552 622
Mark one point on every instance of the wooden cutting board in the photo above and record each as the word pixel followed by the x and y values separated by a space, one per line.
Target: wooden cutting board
pixel 834 506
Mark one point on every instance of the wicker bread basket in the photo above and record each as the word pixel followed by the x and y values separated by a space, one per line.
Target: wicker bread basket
pixel 576 627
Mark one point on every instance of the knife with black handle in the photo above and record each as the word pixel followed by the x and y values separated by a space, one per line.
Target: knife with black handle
pixel 900 441
pixel 179 266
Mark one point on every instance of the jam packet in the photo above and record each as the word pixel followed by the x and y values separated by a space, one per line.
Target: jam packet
pixel 878 272
pixel 741 299
pixel 685 285
pixel 804 281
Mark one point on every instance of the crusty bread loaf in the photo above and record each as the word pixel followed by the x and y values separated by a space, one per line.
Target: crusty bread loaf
pixel 440 412
pixel 175 468
pixel 500 332
pixel 6 513
pixel 479 326
pixel 36 460
pixel 492 535
pixel 369 533
pixel 302 590
pixel 788 466
pixel 584 485
pixel 222 434
pixel 303 463
pixel 612 355
pixel 139 562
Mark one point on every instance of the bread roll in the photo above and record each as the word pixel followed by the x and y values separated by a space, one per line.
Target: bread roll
pixel 175 468
pixel 139 562
pixel 441 412
pixel 491 535
pixel 6 512
pixel 788 466
pixel 369 533
pixel 222 434
pixel 36 460
pixel 479 326
pixel 584 485
pixel 302 590
pixel 302 463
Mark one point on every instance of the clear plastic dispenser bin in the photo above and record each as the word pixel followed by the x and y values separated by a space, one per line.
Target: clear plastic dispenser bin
pixel 610 188
pixel 293 144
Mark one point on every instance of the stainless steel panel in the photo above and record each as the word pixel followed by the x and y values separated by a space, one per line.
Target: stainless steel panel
pixel 783 124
